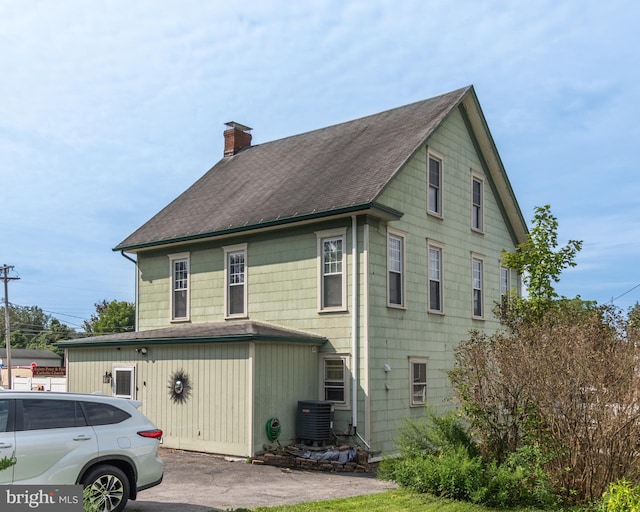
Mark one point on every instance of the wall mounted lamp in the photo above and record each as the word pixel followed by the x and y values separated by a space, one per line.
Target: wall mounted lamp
pixel 106 378
pixel 142 350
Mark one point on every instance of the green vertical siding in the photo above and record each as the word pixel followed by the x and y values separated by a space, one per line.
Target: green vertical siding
pixel 284 374
pixel 214 419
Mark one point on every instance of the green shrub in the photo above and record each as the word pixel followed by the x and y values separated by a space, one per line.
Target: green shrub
pixel 622 496
pixel 520 480
pixel 451 474
pixel 439 457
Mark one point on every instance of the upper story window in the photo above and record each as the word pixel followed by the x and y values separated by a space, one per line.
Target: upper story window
pixel 179 286
pixel 435 278
pixel 477 203
pixel 477 271
pixel 332 272
pixel 236 280
pixel 434 193
pixel 395 269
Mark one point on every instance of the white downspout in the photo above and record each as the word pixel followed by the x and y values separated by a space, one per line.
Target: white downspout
pixel 354 321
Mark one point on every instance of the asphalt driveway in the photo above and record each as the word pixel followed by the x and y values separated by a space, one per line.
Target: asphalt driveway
pixel 197 482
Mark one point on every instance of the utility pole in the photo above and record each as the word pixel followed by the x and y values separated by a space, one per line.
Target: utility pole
pixel 5 277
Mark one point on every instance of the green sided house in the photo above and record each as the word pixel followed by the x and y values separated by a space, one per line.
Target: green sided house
pixel 334 271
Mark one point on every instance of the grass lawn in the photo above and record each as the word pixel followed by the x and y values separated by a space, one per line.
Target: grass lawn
pixel 391 501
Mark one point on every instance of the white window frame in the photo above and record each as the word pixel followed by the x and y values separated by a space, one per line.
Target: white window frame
pixel 477 285
pixel 396 265
pixel 114 379
pixel 346 379
pixel 173 260
pixel 505 280
pixel 435 246
pixel 413 383
pixel 477 209
pixel 322 237
pixel 228 252
pixel 436 209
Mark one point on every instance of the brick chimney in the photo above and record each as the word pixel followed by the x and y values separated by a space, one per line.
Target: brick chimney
pixel 236 138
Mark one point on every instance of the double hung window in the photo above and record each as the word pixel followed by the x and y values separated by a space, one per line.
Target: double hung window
pixel 434 181
pixel 395 266
pixel 418 378
pixel 335 380
pixel 477 204
pixel 477 277
pixel 179 286
pixel 236 280
pixel 435 279
pixel 332 272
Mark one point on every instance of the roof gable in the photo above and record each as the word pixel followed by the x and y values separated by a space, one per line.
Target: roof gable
pixel 335 170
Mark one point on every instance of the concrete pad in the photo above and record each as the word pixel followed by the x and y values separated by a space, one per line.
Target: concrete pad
pixel 198 482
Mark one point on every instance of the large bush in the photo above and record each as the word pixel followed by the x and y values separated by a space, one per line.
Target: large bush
pixel 566 382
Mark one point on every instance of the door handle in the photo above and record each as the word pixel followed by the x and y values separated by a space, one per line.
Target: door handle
pixel 5 445
pixel 81 438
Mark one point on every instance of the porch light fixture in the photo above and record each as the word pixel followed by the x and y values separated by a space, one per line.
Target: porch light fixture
pixel 106 378
pixel 143 351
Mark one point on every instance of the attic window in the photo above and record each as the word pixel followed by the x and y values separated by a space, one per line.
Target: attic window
pixel 434 178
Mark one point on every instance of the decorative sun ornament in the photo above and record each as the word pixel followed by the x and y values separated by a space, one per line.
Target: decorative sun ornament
pixel 179 386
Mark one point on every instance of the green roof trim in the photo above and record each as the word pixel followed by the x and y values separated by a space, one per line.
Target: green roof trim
pixel 381 210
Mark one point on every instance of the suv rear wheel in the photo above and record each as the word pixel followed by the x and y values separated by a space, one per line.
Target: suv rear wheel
pixel 108 488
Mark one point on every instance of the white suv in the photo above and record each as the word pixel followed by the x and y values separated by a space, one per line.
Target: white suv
pixel 102 442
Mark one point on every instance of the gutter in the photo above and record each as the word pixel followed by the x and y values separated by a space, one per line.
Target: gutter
pixel 135 291
pixel 379 210
pixel 235 338
pixel 354 321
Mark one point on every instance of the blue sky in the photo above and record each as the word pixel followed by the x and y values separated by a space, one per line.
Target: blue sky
pixel 110 109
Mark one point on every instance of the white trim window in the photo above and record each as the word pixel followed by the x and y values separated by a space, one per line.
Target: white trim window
pixel 332 286
pixel 335 380
pixel 395 269
pixel 124 382
pixel 477 278
pixel 235 275
pixel 418 381
pixel 435 292
pixel 180 296
pixel 505 281
pixel 477 203
pixel 434 184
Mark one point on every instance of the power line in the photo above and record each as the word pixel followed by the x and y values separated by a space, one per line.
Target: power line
pixel 625 293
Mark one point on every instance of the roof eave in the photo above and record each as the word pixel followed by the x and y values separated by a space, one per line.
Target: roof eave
pixel 376 209
pixel 473 112
pixel 235 338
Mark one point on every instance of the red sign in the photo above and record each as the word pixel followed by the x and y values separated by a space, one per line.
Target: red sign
pixel 49 371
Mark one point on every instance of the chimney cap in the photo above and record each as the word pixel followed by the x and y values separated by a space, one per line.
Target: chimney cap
pixel 233 124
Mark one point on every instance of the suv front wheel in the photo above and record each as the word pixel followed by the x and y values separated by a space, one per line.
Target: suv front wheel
pixel 108 488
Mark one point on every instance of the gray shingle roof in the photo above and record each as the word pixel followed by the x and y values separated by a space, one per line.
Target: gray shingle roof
pixel 339 168
pixel 242 330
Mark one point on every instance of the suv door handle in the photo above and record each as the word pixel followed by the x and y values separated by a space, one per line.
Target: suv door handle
pixel 4 445
pixel 81 437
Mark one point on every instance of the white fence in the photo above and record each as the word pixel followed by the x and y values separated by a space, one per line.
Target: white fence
pixel 39 383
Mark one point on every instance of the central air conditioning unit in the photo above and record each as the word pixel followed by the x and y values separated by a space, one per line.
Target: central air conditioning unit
pixel 314 422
